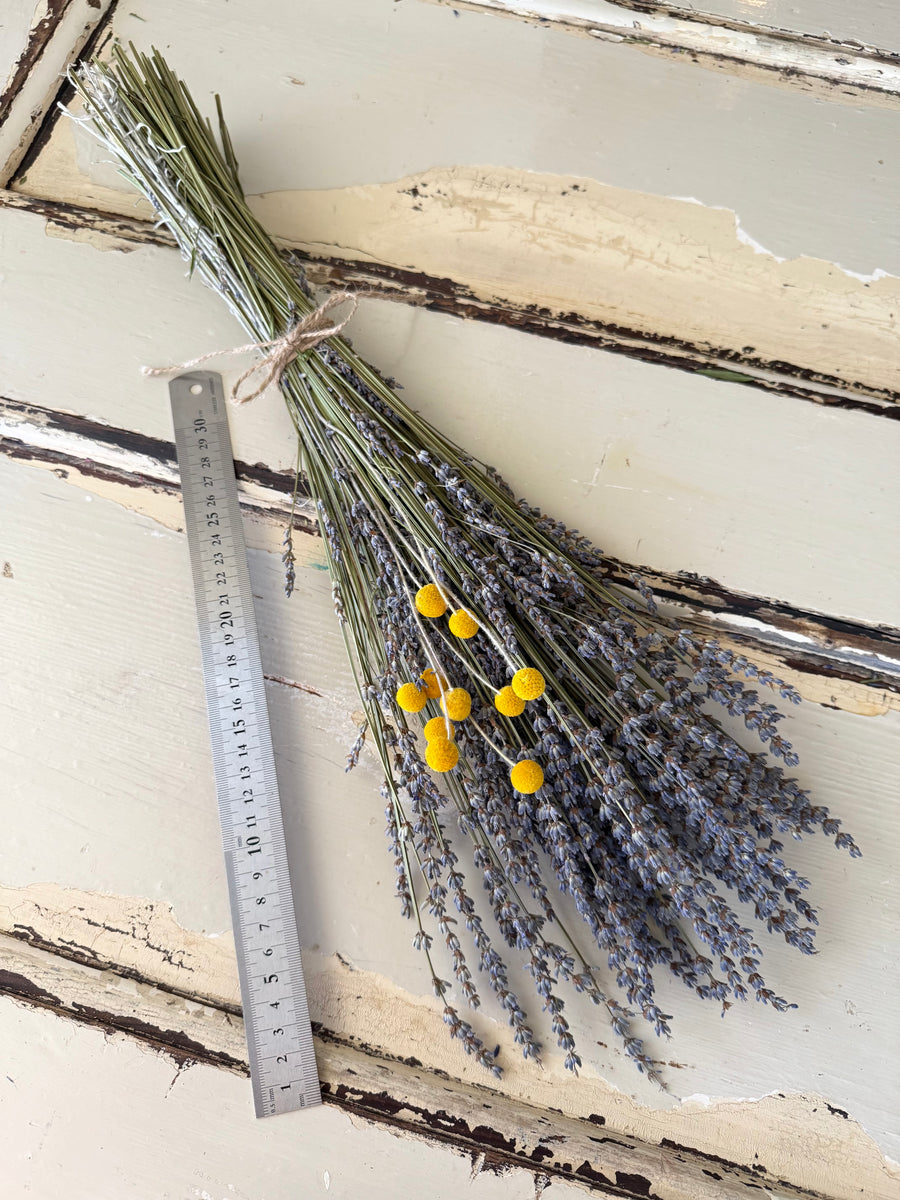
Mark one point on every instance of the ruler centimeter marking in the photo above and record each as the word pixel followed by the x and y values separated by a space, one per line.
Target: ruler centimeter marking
pixel 276 1015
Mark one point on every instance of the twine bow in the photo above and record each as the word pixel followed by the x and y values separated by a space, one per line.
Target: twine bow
pixel 306 334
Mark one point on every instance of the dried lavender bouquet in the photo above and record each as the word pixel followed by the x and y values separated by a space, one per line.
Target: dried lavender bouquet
pixel 517 699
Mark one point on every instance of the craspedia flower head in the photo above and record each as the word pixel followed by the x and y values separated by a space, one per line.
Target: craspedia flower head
pixel 430 602
pixel 434 683
pixel 457 704
pixel 528 683
pixel 410 698
pixel 508 703
pixel 437 728
pixel 526 776
pixel 463 624
pixel 441 754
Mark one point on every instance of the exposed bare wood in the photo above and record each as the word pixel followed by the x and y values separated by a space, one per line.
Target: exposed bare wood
pixel 826 22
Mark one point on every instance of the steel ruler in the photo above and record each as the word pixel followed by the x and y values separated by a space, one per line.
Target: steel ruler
pixel 273 993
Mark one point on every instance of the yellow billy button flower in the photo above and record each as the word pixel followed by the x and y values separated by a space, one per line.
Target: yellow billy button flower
pixel 410 698
pixel 508 703
pixel 430 602
pixel 441 754
pixel 463 624
pixel 526 776
pixel 528 683
pixel 434 683
pixel 457 704
pixel 437 728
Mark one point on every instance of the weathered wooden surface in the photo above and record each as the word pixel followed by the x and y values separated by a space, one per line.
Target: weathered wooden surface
pixel 812 60
pixel 762 516
pixel 116 578
pixel 36 43
pixel 661 468
pixel 622 228
pixel 874 23
pixel 146 1127
pixel 498 1135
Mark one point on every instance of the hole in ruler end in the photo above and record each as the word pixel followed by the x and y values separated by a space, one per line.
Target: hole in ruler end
pixel 196 389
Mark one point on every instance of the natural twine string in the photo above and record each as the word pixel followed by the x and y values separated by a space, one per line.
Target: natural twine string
pixel 306 334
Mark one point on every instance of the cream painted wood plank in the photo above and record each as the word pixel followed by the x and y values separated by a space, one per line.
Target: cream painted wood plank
pixel 767 495
pixel 15 22
pixel 107 765
pixel 816 65
pixel 558 245
pixel 416 87
pixel 875 23
pixel 142 1128
pixel 477 1120
pixel 37 42
pixel 848 666
pixel 574 256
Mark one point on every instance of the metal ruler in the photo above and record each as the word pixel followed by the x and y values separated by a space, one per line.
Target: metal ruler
pixel 276 1015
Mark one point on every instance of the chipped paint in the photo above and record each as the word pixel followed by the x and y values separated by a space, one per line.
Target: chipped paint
pixel 685 272
pixel 127 972
pixel 60 29
pixel 641 1152
pixel 616 257
pixel 138 472
pixel 778 58
pixel 106 232
pixel 137 939
pixel 89 236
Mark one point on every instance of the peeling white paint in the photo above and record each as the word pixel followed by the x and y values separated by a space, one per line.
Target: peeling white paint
pixel 748 50
pixel 848 1165
pixel 510 95
pixel 670 433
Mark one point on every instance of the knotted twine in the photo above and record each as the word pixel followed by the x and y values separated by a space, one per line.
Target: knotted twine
pixel 306 334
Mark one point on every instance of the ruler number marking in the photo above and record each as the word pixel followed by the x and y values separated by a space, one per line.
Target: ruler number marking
pixel 268 949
